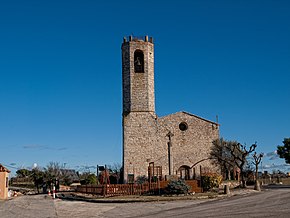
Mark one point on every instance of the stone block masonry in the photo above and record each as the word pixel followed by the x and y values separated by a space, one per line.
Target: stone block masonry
pixel 145 135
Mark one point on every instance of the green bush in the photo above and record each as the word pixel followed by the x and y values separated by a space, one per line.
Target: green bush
pixel 210 181
pixel 90 179
pixel 177 187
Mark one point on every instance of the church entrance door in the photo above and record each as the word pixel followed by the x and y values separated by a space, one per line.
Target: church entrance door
pixel 184 172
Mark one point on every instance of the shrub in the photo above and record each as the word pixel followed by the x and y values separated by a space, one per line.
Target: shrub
pixel 210 181
pixel 141 179
pixel 177 187
pixel 250 182
pixel 90 179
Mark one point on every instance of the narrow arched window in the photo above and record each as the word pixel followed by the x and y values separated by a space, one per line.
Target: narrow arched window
pixel 138 61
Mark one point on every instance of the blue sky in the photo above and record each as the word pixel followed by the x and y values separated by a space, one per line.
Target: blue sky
pixel 60 73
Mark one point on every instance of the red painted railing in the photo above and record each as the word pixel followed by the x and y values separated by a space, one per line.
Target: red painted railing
pixel 132 189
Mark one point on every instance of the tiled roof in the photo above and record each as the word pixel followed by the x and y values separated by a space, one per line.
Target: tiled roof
pixel 4 169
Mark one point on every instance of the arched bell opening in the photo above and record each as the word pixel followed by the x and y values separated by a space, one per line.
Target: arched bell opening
pixel 138 61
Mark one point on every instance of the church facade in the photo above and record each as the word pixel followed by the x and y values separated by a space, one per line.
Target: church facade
pixel 174 145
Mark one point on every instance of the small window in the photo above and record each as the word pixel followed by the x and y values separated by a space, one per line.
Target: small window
pixel 6 182
pixel 138 61
pixel 183 126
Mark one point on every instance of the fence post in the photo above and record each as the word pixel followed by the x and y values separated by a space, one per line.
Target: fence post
pixel 104 190
pixel 53 192
pixel 158 186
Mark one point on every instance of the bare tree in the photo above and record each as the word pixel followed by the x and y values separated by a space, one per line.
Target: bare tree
pixel 115 171
pixel 256 162
pixel 230 154
pixel 222 157
pixel 37 176
pixel 239 154
pixel 52 174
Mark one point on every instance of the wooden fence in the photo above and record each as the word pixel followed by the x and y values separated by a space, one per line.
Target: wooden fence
pixel 133 189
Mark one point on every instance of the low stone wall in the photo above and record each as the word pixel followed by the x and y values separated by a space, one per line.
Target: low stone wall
pixel 276 180
pixel 230 183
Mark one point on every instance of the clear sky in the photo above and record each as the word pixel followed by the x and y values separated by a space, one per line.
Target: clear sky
pixel 60 73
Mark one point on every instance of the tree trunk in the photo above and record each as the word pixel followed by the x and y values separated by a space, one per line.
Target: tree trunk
pixel 257 174
pixel 37 188
pixel 257 185
pixel 243 182
pixel 229 174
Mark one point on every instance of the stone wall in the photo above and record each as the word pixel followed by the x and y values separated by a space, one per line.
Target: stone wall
pixel 189 146
pixel 3 185
pixel 146 140
pixel 145 137
pixel 139 143
pixel 138 88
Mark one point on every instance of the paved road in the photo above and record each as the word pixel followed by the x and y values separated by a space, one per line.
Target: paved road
pixel 41 206
pixel 28 207
pixel 271 203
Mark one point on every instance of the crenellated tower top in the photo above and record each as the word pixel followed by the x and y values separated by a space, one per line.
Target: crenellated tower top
pixel 138 74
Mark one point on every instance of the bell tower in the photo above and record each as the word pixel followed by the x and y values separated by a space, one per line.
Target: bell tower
pixel 139 118
pixel 138 75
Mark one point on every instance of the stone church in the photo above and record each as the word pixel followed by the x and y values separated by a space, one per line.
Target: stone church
pixel 174 145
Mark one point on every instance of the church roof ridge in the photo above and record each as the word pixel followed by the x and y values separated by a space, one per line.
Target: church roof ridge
pixel 190 114
pixel 200 117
